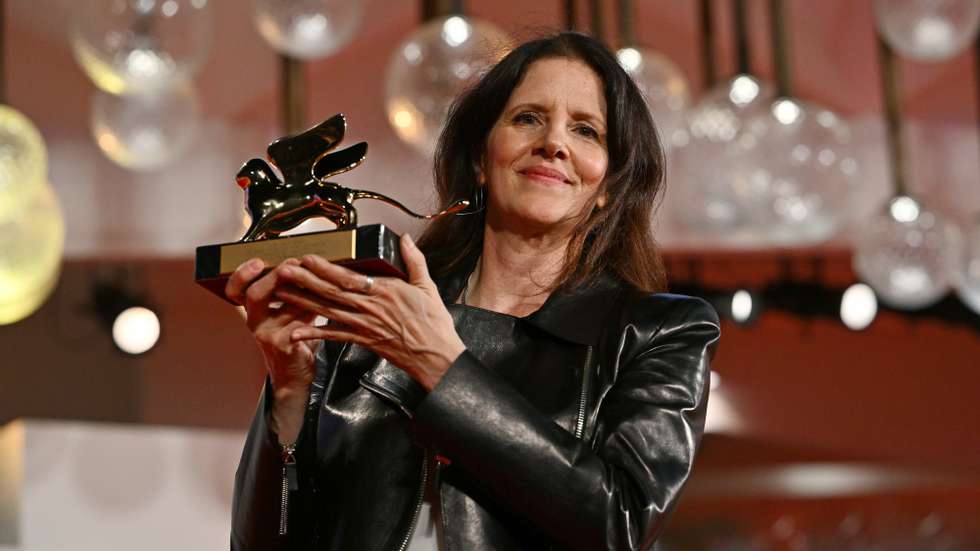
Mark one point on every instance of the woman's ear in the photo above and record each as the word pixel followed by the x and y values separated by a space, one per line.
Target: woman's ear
pixel 481 175
pixel 602 200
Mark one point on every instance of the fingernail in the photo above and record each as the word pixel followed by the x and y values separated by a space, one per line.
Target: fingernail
pixel 255 264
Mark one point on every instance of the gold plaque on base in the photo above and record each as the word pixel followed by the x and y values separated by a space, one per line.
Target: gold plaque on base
pixel 371 249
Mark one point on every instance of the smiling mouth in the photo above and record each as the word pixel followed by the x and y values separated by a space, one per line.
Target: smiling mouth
pixel 548 176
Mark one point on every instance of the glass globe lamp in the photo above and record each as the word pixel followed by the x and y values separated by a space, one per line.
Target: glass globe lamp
pixel 145 131
pixel 31 244
pixel 703 162
pixel 130 46
pixel 430 68
pixel 307 29
pixel 23 161
pixel 797 173
pixel 907 254
pixel 928 30
pixel 967 275
pixel 664 88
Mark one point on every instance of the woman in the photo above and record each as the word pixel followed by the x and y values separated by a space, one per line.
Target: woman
pixel 534 392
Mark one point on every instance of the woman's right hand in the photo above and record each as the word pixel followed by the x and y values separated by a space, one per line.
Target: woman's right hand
pixel 290 363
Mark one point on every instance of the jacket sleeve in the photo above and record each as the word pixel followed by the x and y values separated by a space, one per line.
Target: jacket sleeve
pixel 257 503
pixel 617 492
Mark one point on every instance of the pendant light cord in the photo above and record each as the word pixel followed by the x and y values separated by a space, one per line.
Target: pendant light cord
pixel 893 120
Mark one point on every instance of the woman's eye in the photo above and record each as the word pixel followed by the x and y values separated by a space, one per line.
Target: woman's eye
pixel 525 118
pixel 588 131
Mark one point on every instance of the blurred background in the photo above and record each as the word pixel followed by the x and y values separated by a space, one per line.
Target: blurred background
pixel 823 194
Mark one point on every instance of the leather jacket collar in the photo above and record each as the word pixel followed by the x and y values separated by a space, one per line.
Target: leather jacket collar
pixel 575 315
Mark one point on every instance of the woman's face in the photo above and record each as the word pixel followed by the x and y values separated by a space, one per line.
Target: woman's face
pixel 546 155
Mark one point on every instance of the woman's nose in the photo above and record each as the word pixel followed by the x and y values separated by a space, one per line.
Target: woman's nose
pixel 554 143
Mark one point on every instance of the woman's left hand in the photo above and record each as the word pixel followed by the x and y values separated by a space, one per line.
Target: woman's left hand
pixel 404 322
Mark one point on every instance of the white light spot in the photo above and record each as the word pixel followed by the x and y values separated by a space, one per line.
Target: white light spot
pixel 715 380
pixel 456 31
pixel 934 34
pixel 858 306
pixel 904 209
pixel 786 111
pixel 826 157
pixel 461 70
pixel 312 27
pixel 169 8
pixel 800 153
pixel 136 330
pixel 741 306
pixel 826 119
pixel 744 89
pixel 143 6
pixel 412 53
pixel 630 59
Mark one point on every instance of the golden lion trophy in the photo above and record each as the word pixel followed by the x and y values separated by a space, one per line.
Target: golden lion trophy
pixel 276 205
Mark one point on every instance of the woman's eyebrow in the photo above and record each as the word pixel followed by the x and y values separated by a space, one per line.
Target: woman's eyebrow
pixel 531 106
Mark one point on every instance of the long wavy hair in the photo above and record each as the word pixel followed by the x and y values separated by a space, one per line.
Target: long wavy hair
pixel 616 239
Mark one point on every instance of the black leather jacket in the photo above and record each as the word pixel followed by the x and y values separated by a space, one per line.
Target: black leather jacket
pixel 573 428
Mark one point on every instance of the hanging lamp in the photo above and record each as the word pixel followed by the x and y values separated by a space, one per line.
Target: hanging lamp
pixel 433 65
pixel 907 251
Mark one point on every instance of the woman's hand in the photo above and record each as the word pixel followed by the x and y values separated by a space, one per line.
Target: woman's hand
pixel 404 322
pixel 288 361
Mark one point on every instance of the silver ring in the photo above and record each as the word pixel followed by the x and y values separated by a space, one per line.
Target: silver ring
pixel 368 284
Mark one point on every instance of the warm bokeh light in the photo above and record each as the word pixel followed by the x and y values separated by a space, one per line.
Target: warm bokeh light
pixel 23 162
pixel 31 246
pixel 742 305
pixel 136 330
pixel 858 306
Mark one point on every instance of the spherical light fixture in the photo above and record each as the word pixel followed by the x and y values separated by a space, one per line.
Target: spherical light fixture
pixel 707 199
pixel 308 29
pixel 907 253
pixel 23 162
pixel 430 68
pixel 928 30
pixel 31 245
pixel 664 88
pixel 967 273
pixel 798 172
pixel 145 131
pixel 128 46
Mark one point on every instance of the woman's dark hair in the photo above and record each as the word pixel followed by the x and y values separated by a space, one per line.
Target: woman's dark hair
pixel 615 239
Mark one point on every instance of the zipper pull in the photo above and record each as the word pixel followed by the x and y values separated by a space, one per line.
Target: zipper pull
pixel 290 482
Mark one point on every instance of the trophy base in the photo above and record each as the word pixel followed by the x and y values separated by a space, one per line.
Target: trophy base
pixel 372 249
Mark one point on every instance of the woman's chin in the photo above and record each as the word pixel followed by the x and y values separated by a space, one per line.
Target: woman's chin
pixel 537 221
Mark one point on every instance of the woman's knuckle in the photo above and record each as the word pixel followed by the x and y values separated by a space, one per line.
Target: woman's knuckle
pixel 251 296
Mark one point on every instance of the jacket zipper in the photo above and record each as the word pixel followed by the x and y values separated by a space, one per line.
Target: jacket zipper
pixel 580 425
pixel 289 482
pixel 418 502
